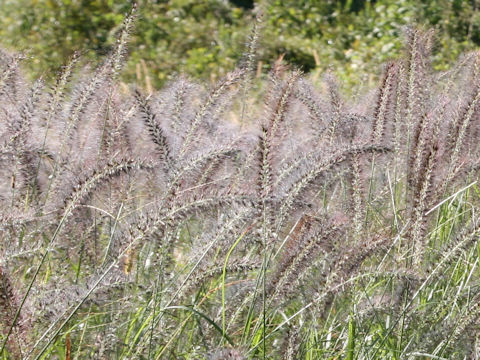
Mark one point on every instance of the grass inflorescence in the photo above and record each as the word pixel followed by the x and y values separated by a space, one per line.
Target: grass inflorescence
pixel 250 219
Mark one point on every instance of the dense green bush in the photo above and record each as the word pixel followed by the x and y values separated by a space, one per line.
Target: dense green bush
pixel 205 39
pixel 200 38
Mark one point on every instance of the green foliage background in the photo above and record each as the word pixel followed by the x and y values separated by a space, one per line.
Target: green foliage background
pixel 206 38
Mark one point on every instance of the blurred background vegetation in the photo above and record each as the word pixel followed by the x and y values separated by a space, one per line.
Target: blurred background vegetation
pixel 206 38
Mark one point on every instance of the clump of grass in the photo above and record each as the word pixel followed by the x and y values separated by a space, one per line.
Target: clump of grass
pixel 190 223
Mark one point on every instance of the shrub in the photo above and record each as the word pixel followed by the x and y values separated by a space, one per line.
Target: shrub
pixel 205 39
